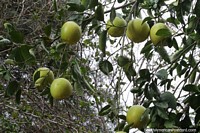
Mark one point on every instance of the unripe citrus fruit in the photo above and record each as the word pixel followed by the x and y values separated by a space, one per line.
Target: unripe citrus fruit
pixel 156 38
pixel 134 116
pixel 42 77
pixel 61 88
pixel 137 31
pixel 70 32
pixel 117 27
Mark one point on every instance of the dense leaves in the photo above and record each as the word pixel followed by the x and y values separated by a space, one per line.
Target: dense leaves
pixel 108 74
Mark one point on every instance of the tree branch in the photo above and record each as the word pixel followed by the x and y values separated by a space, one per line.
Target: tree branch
pixel 116 8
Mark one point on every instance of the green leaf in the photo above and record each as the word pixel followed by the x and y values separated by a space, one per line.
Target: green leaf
pixel 60 46
pixel 105 110
pixel 148 92
pixel 78 88
pixel 120 1
pixel 47 30
pixel 179 13
pixel 50 98
pixel 193 76
pixel 135 90
pixel 191 60
pixel 147 48
pixel 112 14
pixel 163 32
pixel 154 89
pixel 186 73
pixel 193 101
pixel 46 91
pixel 163 104
pixel 145 74
pixel 163 54
pixel 180 52
pixel 175 44
pixel 169 124
pixel 162 74
pixel 129 70
pixel 18 96
pixel 75 7
pixel 166 81
pixel 162 113
pixel 186 6
pixel 102 41
pixel 163 82
pixel 74 1
pixel 99 13
pixel 172 68
pixel 9 62
pixel 154 115
pixel 105 66
pixel 55 5
pixel 186 122
pixel 76 73
pixel 22 55
pixel 169 98
pixel 122 60
pixel 93 3
pixel 177 55
pixel 36 76
pixel 183 63
pixel 147 103
pixel 197 8
pixel 191 88
pixel 128 127
pixel 169 84
pixel 123 117
pixel 178 69
pixel 182 71
pixel 5 73
pixel 12 88
pixel 5 43
pixel 173 20
pixel 197 118
pixel 192 24
pixel 140 1
pixel 85 3
pixel 88 86
pixel 15 35
pixel 145 115
pixel 120 126
pixel 194 36
pixel 84 103
pixel 111 116
pixel 147 19
pixel 32 52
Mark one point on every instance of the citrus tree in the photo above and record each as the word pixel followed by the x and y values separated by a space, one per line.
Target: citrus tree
pixel 100 65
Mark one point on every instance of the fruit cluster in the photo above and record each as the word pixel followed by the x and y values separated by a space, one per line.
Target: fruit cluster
pixel 60 88
pixel 137 30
